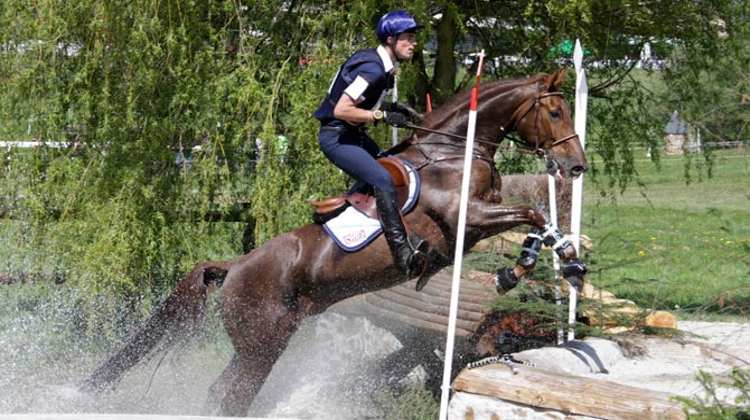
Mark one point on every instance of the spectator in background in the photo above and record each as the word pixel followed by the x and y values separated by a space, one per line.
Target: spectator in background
pixel 180 161
pixel 254 145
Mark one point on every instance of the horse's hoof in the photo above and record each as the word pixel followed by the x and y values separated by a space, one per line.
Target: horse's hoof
pixel 505 280
pixel 575 282
pixel 573 273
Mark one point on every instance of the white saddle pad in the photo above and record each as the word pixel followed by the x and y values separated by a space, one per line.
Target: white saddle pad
pixel 352 230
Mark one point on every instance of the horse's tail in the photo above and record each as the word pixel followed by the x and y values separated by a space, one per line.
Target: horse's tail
pixel 174 319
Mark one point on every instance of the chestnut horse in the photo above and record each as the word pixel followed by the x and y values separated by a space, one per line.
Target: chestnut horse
pixel 266 293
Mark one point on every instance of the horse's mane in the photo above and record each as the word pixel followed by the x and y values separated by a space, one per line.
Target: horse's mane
pixel 456 102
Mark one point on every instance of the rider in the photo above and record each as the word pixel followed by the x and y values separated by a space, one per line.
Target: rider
pixel 354 99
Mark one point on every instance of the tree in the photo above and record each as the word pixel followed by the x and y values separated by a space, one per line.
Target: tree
pixel 139 80
pixel 710 80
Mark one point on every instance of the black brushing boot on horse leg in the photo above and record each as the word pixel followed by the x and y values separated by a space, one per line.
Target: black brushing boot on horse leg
pixel 409 252
pixel 573 270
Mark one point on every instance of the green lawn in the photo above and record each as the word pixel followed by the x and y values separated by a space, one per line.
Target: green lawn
pixel 670 244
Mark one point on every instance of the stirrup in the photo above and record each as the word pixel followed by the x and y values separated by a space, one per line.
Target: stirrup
pixel 419 243
pixel 417 264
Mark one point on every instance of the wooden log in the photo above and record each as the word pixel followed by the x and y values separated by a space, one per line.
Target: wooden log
pixel 438 306
pixel 429 308
pixel 412 318
pixel 661 319
pixel 614 309
pixel 573 395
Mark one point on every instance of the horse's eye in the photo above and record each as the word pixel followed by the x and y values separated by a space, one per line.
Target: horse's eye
pixel 555 114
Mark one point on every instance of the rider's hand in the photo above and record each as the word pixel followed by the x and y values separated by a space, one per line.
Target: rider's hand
pixel 403 109
pixel 396 119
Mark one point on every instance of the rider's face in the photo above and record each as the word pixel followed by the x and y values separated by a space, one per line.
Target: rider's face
pixel 405 43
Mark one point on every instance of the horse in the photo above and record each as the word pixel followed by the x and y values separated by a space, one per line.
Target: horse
pixel 266 293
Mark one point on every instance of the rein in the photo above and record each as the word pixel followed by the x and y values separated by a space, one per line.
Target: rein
pixel 429 130
pixel 542 153
pixel 429 160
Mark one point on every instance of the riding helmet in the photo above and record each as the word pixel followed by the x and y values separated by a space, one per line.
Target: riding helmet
pixel 396 22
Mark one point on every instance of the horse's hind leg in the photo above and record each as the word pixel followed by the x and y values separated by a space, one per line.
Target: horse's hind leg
pixel 218 390
pixel 259 327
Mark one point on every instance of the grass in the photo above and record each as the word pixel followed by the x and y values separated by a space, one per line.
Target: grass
pixel 675 243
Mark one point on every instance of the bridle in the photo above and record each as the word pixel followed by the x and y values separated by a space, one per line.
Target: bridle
pixel 536 105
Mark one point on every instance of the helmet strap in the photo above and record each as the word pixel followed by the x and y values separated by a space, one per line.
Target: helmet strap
pixel 394 40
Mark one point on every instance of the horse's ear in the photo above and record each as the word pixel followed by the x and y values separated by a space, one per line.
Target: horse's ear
pixel 552 82
pixel 557 79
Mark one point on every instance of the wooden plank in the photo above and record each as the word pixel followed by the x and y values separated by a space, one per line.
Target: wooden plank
pixel 569 394
pixel 477 300
pixel 467 311
pixel 417 318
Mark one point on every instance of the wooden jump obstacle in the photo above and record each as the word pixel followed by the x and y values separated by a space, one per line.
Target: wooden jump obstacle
pixel 420 321
pixel 572 395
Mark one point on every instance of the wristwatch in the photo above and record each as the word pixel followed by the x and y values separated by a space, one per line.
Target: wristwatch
pixel 378 115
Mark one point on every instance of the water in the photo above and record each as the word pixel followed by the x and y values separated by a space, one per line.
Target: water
pixel 329 371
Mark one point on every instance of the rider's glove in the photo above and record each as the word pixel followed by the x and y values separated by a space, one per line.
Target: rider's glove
pixel 403 109
pixel 392 118
pixel 396 119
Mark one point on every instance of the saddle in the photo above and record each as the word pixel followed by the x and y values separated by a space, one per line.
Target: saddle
pixel 363 200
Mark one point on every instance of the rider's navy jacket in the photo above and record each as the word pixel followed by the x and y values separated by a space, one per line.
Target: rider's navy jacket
pixel 374 68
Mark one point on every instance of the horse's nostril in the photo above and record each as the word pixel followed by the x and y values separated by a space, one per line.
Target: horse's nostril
pixel 577 170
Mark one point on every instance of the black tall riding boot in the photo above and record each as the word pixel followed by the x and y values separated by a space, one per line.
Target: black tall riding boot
pixel 409 252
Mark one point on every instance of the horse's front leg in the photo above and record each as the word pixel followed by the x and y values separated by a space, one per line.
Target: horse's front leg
pixel 495 219
pixel 573 269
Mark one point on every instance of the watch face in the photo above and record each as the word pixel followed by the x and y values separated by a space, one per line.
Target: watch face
pixel 377 114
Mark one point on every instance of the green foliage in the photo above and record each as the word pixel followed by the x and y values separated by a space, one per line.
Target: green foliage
pixel 417 403
pixel 709 81
pixel 709 406
pixel 613 146
pixel 136 82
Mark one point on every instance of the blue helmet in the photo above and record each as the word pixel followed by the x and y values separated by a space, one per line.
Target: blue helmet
pixel 396 22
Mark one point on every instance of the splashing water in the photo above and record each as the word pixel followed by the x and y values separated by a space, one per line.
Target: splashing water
pixel 329 370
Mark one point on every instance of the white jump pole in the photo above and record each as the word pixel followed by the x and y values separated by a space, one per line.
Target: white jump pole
pixel 460 236
pixel 581 108
pixel 395 99
pixel 555 259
